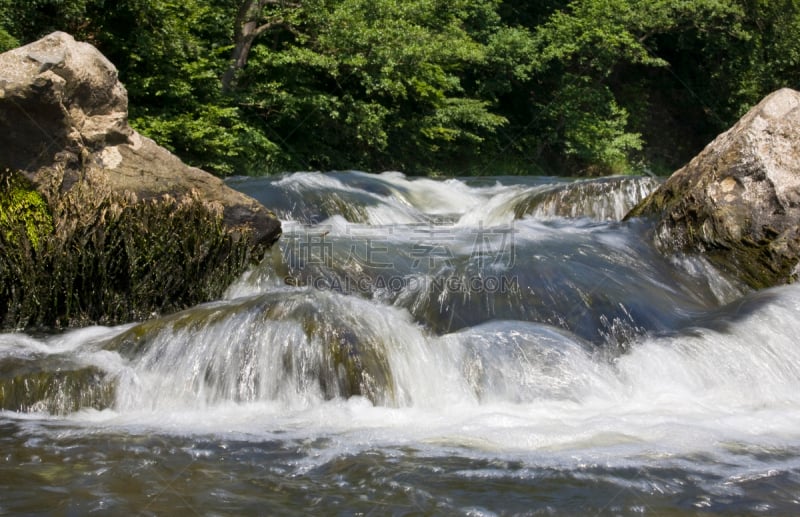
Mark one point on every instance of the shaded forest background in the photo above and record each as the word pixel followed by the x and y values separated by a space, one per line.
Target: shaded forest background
pixel 581 87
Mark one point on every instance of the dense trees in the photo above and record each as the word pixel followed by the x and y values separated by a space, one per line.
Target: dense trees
pixel 372 84
pixel 610 77
pixel 479 86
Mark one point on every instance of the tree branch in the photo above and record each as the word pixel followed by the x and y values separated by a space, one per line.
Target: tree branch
pixel 271 25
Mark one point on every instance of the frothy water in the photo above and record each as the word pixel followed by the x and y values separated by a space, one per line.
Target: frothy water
pixel 438 347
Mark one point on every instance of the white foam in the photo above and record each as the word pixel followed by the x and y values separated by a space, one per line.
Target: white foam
pixel 698 391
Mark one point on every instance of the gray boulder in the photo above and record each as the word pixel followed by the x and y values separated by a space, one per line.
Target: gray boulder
pixel 97 222
pixel 738 201
pixel 64 111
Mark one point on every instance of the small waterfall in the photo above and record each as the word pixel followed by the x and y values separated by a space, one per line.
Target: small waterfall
pixel 298 348
pixel 393 199
pixel 595 280
pixel 457 255
pixel 512 361
pixel 476 289
pixel 605 199
pixel 744 355
pixel 294 347
pixel 347 309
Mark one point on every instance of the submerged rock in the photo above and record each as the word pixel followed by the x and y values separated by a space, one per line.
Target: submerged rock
pixel 53 385
pixel 738 201
pixel 279 347
pixel 134 229
pixel 602 199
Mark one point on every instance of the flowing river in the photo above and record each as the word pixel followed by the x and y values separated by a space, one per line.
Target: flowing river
pixel 494 346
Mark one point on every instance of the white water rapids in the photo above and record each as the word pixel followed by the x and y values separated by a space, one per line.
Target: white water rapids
pixel 600 359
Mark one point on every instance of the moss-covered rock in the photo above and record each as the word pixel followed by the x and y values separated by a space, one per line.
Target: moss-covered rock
pixel 738 201
pixel 97 223
pixel 53 385
pixel 118 261
pixel 339 353
pixel 22 208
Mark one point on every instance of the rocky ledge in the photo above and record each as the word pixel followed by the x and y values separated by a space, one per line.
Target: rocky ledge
pixel 97 222
pixel 738 201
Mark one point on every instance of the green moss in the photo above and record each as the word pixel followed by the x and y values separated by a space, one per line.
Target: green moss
pixel 22 207
pixel 110 261
pixel 146 258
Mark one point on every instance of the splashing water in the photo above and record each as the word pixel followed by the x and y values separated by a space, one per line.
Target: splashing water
pixel 495 347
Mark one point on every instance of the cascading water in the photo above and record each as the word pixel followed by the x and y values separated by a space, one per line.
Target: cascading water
pixel 495 346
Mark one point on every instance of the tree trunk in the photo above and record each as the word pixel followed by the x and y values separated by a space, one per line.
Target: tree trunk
pixel 246 30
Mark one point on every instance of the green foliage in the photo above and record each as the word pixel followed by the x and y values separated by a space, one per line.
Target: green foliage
pixel 371 84
pixel 585 57
pixel 595 128
pixel 7 39
pixel 215 138
pixel 561 86
pixel 21 22
pixel 766 59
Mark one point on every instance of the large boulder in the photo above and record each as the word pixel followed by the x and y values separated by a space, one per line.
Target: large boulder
pixel 63 106
pixel 128 228
pixel 738 201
